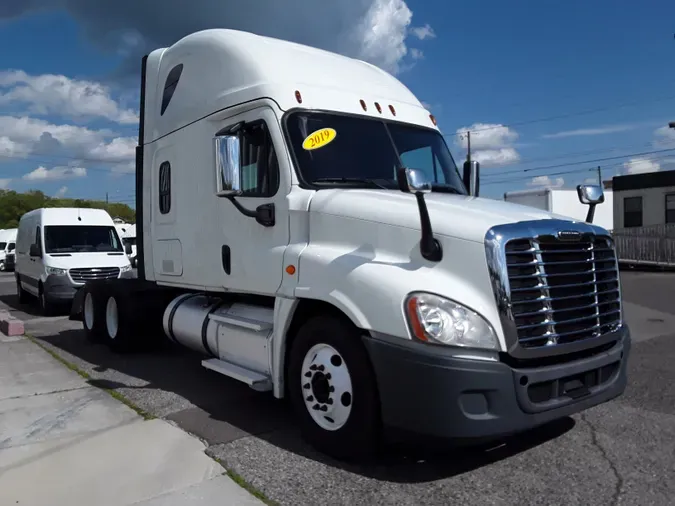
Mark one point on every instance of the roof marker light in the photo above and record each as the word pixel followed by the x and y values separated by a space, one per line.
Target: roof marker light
pixel 433 119
pixel 377 106
pixel 298 97
pixel 363 104
pixel 391 108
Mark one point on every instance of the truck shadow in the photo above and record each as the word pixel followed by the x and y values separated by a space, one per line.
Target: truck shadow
pixel 171 383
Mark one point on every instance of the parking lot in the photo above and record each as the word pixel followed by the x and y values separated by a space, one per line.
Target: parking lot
pixel 622 452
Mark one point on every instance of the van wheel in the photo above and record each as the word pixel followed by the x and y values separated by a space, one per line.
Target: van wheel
pixel 333 390
pixel 92 315
pixel 20 292
pixel 2 266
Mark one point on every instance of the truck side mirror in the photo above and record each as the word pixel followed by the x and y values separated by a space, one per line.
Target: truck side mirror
pixel 34 251
pixel 227 145
pixel 228 164
pixel 413 181
pixel 590 195
pixel 127 248
pixel 471 177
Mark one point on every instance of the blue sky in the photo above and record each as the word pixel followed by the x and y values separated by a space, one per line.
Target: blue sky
pixel 546 87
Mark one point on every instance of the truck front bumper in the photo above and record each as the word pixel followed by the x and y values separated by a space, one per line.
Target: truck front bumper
pixel 425 390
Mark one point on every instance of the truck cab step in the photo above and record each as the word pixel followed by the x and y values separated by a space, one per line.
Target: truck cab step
pixel 258 382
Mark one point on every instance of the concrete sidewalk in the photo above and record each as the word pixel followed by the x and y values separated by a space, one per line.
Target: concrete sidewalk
pixel 65 442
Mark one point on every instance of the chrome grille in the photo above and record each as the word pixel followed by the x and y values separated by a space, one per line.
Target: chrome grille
pixel 81 275
pixel 562 291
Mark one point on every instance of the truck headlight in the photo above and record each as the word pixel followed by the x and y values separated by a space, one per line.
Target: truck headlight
pixel 55 271
pixel 437 320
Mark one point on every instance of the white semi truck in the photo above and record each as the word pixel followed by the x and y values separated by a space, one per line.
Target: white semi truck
pixel 301 222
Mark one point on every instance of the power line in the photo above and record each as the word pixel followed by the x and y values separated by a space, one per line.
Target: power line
pixel 564 116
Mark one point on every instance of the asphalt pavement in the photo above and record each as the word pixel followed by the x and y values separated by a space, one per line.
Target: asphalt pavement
pixel 622 452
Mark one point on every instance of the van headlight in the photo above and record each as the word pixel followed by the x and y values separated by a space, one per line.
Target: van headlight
pixel 55 271
pixel 125 268
pixel 438 320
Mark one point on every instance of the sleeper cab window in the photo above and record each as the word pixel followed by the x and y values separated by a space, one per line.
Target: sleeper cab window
pixel 165 188
pixel 248 163
pixel 170 86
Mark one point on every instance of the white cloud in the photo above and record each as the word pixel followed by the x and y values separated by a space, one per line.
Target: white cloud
pixel 374 30
pixel 665 137
pixel 416 54
pixel 25 136
pixel 57 94
pixel 546 182
pixel 55 174
pixel 584 132
pixel 423 32
pixel 4 183
pixel 61 192
pixel 491 144
pixel 640 165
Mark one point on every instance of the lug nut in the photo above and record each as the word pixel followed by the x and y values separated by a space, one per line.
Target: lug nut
pixel 308 374
pixel 312 367
pixel 331 389
pixel 310 399
pixel 324 408
pixel 328 376
pixel 316 407
pixel 306 386
pixel 321 368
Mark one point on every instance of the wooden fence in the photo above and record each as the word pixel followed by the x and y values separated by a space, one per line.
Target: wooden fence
pixel 652 245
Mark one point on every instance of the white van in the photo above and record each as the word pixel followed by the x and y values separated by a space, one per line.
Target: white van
pixel 7 242
pixel 59 249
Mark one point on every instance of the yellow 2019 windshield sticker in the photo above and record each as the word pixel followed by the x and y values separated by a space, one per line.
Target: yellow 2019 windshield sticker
pixel 319 139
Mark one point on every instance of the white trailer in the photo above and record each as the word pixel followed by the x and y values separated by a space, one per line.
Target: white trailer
pixel 565 202
pixel 303 225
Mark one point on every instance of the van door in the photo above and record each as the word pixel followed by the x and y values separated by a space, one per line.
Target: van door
pixel 251 255
pixel 31 277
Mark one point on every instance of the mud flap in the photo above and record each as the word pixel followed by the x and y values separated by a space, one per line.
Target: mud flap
pixel 78 303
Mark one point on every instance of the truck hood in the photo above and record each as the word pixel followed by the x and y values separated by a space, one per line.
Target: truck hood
pixel 459 216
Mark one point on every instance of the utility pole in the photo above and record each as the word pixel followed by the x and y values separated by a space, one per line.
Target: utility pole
pixel 106 197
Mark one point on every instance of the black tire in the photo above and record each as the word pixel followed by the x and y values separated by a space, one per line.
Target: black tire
pixel 46 306
pixel 93 330
pixel 2 266
pixel 138 320
pixel 20 292
pixel 359 437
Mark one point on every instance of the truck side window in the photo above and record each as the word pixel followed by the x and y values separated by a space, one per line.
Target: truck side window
pixel 259 163
pixel 165 187
pixel 170 86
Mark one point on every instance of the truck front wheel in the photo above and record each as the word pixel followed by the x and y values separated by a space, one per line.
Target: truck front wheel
pixel 333 390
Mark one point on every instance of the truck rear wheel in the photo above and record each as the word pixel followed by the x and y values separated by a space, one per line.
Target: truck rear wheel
pixel 333 390
pixel 92 314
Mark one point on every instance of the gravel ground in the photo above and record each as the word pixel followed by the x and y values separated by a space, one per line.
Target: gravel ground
pixel 622 452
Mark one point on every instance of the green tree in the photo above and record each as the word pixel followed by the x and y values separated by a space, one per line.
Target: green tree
pixel 13 205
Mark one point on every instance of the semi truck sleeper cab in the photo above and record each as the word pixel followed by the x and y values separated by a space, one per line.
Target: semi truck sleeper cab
pixel 302 224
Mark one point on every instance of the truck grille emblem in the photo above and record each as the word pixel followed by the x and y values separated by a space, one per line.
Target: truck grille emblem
pixel 569 235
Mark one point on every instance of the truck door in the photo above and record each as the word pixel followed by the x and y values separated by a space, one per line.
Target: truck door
pixel 252 254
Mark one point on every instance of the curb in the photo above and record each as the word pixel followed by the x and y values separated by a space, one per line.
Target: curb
pixel 10 325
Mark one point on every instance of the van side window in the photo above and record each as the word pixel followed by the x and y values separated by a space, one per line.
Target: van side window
pixel 259 163
pixel 165 187
pixel 170 86
pixel 38 238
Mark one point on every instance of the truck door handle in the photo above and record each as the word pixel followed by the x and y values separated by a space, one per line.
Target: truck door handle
pixel 225 256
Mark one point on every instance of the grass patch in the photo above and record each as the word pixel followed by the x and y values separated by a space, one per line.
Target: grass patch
pixel 248 487
pixel 113 393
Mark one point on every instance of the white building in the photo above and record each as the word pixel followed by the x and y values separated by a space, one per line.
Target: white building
pixel 646 199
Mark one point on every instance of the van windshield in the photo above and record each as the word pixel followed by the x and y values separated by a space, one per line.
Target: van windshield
pixel 360 151
pixel 81 239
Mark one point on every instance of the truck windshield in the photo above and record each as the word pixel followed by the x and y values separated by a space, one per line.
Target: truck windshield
pixel 358 151
pixel 80 239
